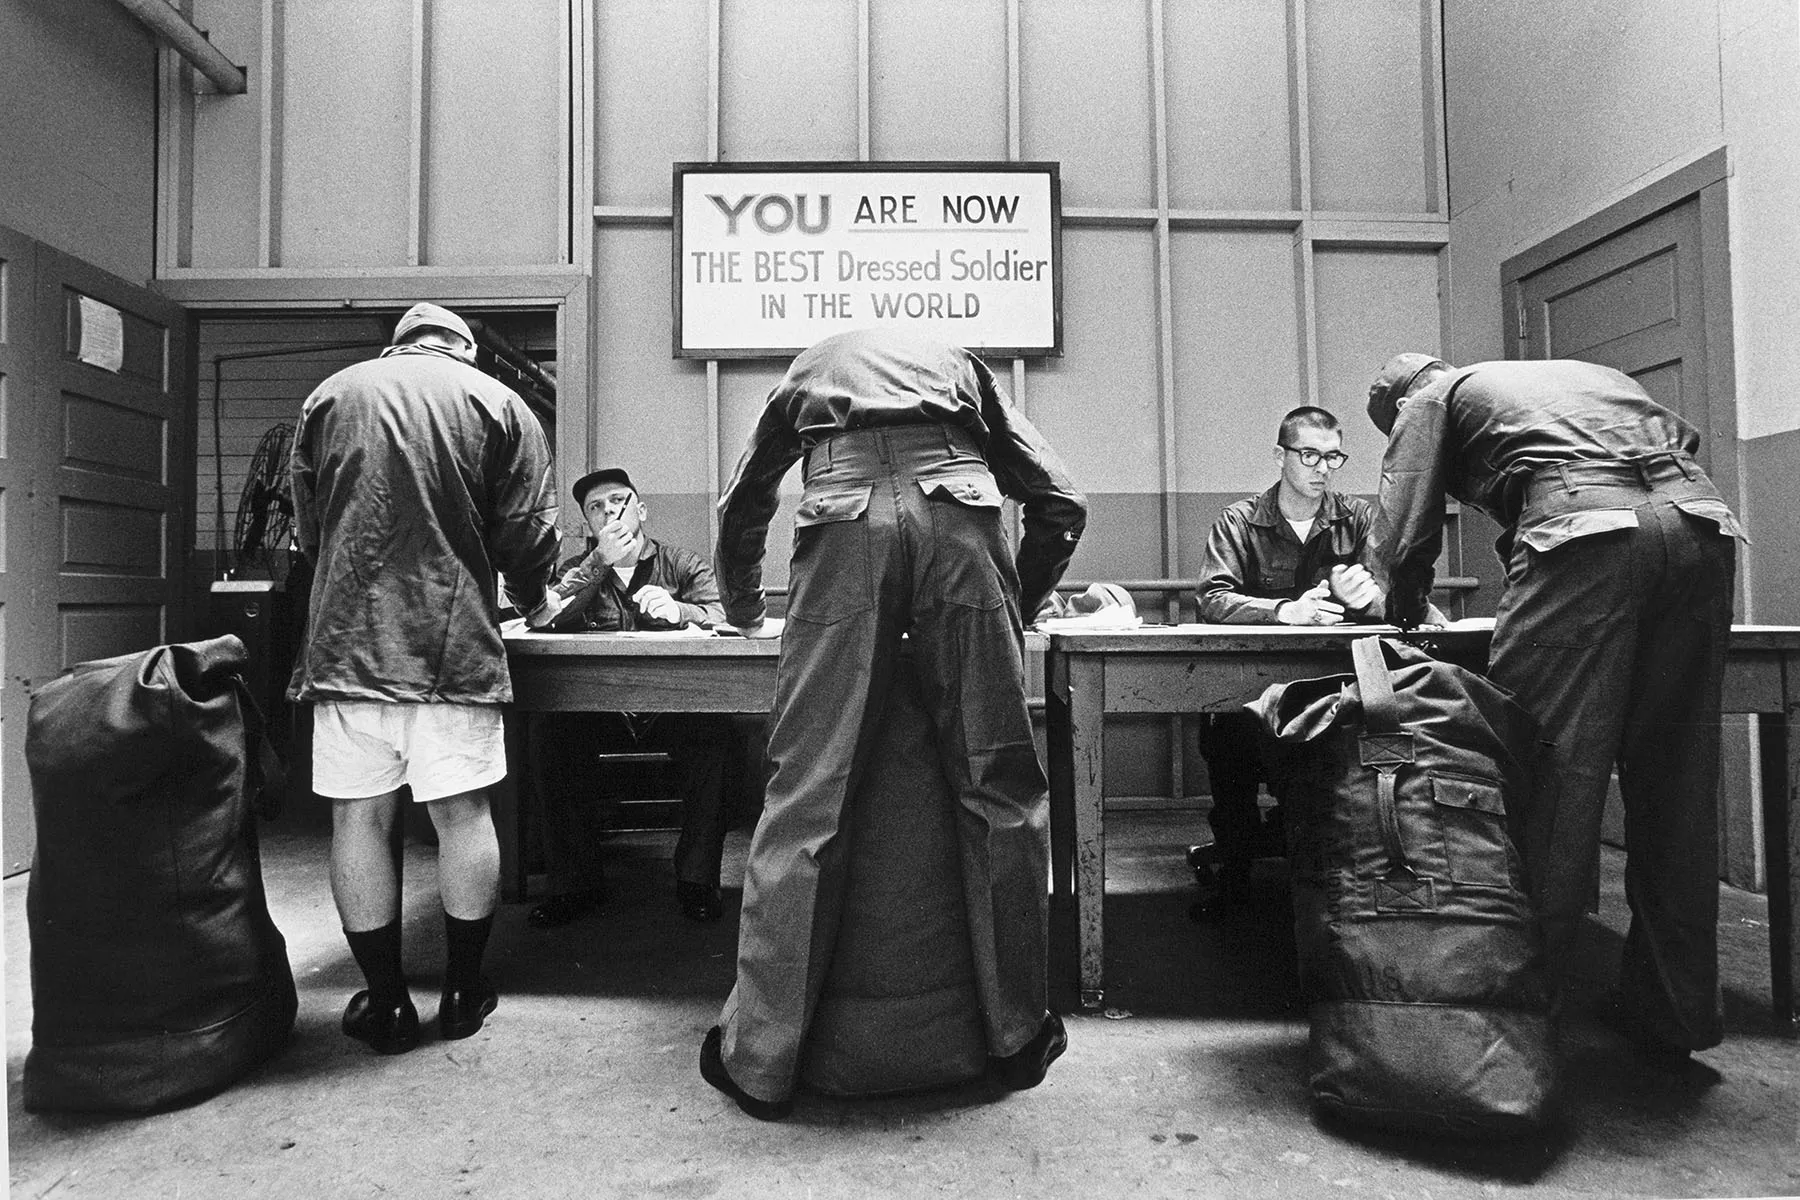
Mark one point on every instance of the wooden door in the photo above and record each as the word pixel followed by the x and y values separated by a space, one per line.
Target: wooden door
pixel 17 290
pixel 1634 302
pixel 98 455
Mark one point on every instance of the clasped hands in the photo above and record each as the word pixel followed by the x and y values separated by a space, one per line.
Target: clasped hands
pixel 1349 587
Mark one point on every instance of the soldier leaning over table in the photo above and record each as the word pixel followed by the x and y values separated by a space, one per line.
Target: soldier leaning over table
pixel 909 445
pixel 1611 632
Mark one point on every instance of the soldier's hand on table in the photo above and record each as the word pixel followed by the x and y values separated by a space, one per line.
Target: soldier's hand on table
pixel 655 602
pixel 545 612
pixel 768 627
pixel 1353 586
pixel 1314 607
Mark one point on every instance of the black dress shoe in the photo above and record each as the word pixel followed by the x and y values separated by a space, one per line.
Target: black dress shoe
pixel 700 901
pixel 560 910
pixel 712 1069
pixel 1025 1067
pixel 462 1010
pixel 390 1030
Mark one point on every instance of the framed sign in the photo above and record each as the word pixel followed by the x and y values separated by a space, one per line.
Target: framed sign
pixel 771 257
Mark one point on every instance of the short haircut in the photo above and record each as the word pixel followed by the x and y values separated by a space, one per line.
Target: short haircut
pixel 1307 416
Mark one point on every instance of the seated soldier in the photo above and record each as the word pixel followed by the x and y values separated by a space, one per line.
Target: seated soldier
pixel 1296 554
pixel 628 581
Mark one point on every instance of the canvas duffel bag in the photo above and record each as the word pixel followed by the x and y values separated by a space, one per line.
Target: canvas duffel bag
pixel 1421 963
pixel 157 975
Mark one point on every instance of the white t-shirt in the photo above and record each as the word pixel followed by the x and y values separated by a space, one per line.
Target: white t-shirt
pixel 1301 528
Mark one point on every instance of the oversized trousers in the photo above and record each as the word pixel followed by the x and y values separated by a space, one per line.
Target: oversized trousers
pixel 899 532
pixel 1615 641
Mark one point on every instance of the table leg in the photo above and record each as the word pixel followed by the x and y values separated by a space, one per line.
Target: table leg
pixel 1062 796
pixel 1087 758
pixel 1779 735
pixel 508 802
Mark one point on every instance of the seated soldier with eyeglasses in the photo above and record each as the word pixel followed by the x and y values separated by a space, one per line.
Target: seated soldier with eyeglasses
pixel 1297 554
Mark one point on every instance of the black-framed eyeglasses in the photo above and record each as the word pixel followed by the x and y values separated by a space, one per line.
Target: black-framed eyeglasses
pixel 1312 458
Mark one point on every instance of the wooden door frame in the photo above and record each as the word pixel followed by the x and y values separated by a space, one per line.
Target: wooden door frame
pixel 1705 181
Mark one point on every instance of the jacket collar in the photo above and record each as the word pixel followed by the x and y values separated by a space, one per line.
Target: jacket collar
pixel 1267 509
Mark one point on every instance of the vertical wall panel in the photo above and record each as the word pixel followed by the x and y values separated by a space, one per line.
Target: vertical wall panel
pixel 788 80
pixel 925 103
pixel 346 132
pixel 77 131
pixel 1237 356
pixel 1365 75
pixel 649 96
pixel 1085 98
pixel 649 409
pixel 495 189
pixel 1099 406
pixel 1229 137
pixel 1372 305
pixel 227 146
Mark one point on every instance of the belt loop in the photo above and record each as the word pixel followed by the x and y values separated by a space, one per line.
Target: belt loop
pixel 1687 466
pixel 1568 483
pixel 881 445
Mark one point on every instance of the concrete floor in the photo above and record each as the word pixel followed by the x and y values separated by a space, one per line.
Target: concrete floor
pixel 584 1082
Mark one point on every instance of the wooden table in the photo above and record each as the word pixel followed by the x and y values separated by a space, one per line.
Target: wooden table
pixel 1217 668
pixel 617 672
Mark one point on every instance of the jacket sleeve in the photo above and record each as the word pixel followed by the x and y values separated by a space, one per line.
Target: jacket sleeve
pixel 578 585
pixel 746 508
pixel 521 533
pixel 697 592
pixel 1409 523
pixel 1224 598
pixel 303 472
pixel 1054 513
pixel 1363 523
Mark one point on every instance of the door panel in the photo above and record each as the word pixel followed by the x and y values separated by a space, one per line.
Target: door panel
pixel 94 510
pixel 117 510
pixel 17 287
pixel 1633 302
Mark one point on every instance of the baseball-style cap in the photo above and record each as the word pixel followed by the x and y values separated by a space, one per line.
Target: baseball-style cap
pixel 594 479
pixel 1391 383
pixel 426 315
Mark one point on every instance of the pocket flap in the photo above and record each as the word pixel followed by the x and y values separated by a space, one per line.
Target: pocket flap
pixel 1454 792
pixel 842 504
pixel 1711 508
pixel 977 491
pixel 1552 532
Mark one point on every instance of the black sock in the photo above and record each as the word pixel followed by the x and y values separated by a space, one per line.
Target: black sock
pixel 377 952
pixel 464 944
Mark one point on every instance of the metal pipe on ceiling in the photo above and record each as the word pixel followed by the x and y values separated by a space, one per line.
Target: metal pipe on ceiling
pixel 189 41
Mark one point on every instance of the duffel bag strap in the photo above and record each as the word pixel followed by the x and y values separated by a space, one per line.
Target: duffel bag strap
pixel 1384 748
pixel 264 776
